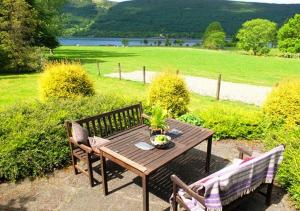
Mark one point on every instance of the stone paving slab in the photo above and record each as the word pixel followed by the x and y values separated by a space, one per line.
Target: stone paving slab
pixel 65 191
pixel 246 93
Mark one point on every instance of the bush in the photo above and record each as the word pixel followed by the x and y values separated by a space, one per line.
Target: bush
pixel 289 171
pixel 65 80
pixel 170 91
pixel 33 137
pixel 229 123
pixel 289 36
pixel 283 104
pixel 191 119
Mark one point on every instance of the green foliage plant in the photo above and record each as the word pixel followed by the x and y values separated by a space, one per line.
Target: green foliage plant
pixel 18 24
pixel 33 137
pixel 289 36
pixel 214 36
pixel 257 35
pixel 65 80
pixel 171 92
pixel 229 122
pixel 192 119
pixel 283 104
pixel 289 172
pixel 158 118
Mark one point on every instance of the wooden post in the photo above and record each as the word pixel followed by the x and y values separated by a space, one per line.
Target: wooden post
pixel 177 72
pixel 144 74
pixel 98 67
pixel 219 87
pixel 120 76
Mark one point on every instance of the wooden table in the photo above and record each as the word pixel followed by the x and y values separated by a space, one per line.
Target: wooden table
pixel 122 150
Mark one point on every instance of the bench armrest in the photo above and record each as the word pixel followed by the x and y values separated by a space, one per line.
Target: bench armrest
pixel 244 151
pixel 179 183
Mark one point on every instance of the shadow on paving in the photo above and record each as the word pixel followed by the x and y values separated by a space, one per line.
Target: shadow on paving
pixel 12 204
pixel 190 167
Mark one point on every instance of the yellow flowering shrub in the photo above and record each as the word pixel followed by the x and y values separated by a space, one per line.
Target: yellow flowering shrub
pixel 283 103
pixel 171 92
pixel 64 80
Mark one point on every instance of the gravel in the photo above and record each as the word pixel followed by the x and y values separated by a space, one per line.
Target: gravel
pixel 245 93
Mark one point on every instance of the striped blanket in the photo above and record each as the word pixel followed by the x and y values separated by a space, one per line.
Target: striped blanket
pixel 231 183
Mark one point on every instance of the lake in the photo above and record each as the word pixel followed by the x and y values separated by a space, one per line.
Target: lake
pixel 118 41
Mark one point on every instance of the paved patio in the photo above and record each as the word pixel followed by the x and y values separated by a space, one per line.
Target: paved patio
pixel 65 191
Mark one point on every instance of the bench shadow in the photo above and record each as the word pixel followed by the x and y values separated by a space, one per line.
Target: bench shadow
pixel 189 167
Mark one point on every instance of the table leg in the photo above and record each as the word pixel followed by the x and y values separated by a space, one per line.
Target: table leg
pixel 145 193
pixel 104 175
pixel 208 154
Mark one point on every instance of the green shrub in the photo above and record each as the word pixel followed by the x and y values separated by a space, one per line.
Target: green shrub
pixel 229 123
pixel 33 138
pixel 65 80
pixel 191 119
pixel 283 104
pixel 170 91
pixel 233 123
pixel 289 171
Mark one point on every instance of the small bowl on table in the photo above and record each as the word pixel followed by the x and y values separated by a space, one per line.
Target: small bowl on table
pixel 160 141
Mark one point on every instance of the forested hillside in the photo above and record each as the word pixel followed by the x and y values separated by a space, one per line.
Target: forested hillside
pixel 177 18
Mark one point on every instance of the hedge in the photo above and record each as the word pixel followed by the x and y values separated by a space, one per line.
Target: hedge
pixel 33 137
pixel 229 122
pixel 289 171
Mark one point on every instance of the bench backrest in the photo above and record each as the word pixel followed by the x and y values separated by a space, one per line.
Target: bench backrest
pixel 110 123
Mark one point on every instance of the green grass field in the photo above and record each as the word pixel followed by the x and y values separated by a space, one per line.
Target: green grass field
pixel 18 88
pixel 232 65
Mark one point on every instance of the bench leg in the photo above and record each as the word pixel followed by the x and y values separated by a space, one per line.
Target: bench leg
pixel 104 175
pixel 74 162
pixel 269 194
pixel 90 170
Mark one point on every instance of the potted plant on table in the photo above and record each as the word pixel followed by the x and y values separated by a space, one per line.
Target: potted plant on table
pixel 158 127
pixel 157 120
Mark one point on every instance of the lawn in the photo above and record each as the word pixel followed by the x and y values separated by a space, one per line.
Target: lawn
pixel 17 88
pixel 232 65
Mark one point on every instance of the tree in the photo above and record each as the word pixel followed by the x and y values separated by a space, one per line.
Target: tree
pixel 145 42
pixel 257 35
pixel 125 42
pixel 214 36
pixel 18 24
pixel 50 22
pixel 289 36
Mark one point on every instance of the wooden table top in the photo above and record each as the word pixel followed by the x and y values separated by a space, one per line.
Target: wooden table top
pixel 123 146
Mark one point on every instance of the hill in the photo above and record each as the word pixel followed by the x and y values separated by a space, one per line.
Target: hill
pixel 177 18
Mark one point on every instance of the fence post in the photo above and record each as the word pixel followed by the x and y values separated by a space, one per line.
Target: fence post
pixel 98 67
pixel 219 86
pixel 144 74
pixel 120 76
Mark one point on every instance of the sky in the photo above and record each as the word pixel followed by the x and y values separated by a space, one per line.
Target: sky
pixel 263 1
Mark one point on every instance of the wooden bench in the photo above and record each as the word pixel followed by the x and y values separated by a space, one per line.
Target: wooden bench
pixel 105 125
pixel 199 194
